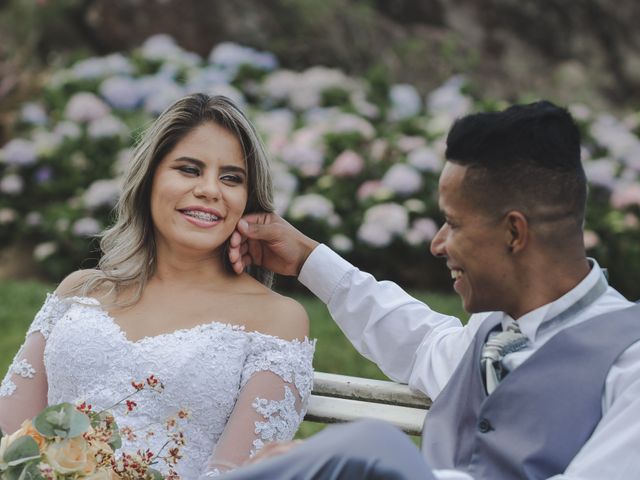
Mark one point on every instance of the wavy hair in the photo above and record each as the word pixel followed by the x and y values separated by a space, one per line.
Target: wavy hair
pixel 128 247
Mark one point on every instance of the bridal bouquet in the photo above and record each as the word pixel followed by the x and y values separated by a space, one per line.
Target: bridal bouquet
pixel 69 442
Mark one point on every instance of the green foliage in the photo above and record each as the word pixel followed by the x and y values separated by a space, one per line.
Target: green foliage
pixel 62 420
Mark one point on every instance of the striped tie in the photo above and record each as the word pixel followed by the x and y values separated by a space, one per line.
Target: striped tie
pixel 498 345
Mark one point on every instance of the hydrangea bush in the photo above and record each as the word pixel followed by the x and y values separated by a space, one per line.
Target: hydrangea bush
pixel 355 161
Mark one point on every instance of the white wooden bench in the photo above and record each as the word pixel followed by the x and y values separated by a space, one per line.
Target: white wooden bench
pixel 340 398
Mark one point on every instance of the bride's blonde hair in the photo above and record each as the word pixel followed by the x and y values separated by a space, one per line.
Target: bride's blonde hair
pixel 128 247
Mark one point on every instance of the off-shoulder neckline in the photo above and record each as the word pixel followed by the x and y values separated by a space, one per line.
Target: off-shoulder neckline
pixel 92 301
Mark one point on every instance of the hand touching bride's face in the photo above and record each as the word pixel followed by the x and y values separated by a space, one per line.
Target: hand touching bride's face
pixel 199 191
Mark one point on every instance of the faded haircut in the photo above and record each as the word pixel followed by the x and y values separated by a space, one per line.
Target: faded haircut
pixel 524 158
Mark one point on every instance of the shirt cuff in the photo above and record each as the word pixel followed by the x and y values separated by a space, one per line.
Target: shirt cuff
pixel 322 272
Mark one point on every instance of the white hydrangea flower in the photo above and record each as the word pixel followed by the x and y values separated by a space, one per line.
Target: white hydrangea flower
pixel 425 159
pixel 44 250
pixel 167 93
pixel 231 56
pixel 341 243
pixel 402 179
pixel 99 67
pixel 46 142
pixel 33 219
pixel 160 47
pixel 278 122
pixel 109 126
pixel 382 222
pixel 449 100
pixel 67 129
pixel 228 91
pixel 422 231
pixel 405 101
pixel 7 215
pixel 283 180
pixel 614 135
pixel 86 227
pixel 307 159
pixel 311 205
pixel 602 172
pixel 19 152
pixel 33 113
pixel 11 184
pixel 408 143
pixel 121 92
pixel 102 193
pixel 375 235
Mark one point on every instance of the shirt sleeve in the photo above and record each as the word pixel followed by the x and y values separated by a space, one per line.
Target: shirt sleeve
pixel 409 341
pixel 275 385
pixel 23 392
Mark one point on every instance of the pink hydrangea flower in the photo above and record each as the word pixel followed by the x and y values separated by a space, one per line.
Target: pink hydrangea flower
pixel 86 107
pixel 347 164
pixel 591 239
pixel 625 195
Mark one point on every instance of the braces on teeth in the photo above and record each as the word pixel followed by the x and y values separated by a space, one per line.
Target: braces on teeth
pixel 201 215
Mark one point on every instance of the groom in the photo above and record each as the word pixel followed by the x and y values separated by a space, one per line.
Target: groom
pixel 543 381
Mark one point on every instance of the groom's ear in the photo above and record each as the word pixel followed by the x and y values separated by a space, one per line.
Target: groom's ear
pixel 516 231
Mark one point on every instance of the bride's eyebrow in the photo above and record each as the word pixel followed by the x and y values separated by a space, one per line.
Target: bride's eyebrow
pixel 194 161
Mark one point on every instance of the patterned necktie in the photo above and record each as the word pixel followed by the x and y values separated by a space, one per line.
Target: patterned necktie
pixel 498 345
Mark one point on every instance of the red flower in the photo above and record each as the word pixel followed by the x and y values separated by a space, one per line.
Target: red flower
pixel 131 405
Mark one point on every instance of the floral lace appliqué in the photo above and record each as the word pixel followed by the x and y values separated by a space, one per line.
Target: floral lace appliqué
pixel 54 307
pixel 290 360
pixel 282 419
pixel 21 368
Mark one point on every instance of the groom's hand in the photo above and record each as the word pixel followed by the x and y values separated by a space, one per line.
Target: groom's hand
pixel 267 240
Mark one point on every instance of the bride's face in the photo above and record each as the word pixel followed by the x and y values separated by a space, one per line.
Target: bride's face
pixel 199 191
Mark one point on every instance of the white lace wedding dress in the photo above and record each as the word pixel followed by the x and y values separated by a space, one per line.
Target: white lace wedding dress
pixel 241 388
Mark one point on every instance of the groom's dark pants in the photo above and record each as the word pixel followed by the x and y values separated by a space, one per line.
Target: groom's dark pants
pixel 367 449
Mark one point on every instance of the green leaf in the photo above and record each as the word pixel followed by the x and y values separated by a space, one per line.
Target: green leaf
pixel 27 471
pixel 153 474
pixel 62 420
pixel 22 450
pixel 116 441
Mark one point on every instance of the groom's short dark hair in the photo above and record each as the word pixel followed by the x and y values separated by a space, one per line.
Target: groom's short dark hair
pixel 524 158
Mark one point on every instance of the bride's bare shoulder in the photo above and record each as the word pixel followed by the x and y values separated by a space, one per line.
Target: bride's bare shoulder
pixel 73 283
pixel 279 315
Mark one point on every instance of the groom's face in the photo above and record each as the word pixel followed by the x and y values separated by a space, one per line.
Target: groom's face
pixel 473 242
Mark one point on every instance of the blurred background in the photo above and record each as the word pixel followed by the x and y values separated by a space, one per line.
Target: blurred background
pixel 352 97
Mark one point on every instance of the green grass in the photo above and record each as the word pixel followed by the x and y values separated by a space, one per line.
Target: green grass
pixel 19 302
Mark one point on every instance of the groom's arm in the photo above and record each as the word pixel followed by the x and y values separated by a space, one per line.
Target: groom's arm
pixel 409 341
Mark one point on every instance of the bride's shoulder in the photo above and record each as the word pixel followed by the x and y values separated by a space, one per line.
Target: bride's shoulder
pixel 279 315
pixel 73 283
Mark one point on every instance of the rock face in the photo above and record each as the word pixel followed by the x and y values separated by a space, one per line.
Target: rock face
pixel 587 50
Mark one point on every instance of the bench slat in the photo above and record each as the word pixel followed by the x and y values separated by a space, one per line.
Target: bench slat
pixel 335 410
pixel 379 391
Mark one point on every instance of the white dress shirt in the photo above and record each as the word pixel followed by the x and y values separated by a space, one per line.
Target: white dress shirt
pixel 415 345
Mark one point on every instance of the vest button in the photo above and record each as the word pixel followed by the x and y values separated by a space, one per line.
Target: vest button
pixel 484 426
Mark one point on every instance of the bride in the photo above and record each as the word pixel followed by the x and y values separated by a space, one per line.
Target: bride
pixel 164 302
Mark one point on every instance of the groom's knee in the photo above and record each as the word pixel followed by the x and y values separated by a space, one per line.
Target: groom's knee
pixel 374 429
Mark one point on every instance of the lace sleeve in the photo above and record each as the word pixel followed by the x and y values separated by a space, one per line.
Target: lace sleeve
pixel 23 392
pixel 275 386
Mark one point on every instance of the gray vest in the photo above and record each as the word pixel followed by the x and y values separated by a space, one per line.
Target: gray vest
pixel 540 415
